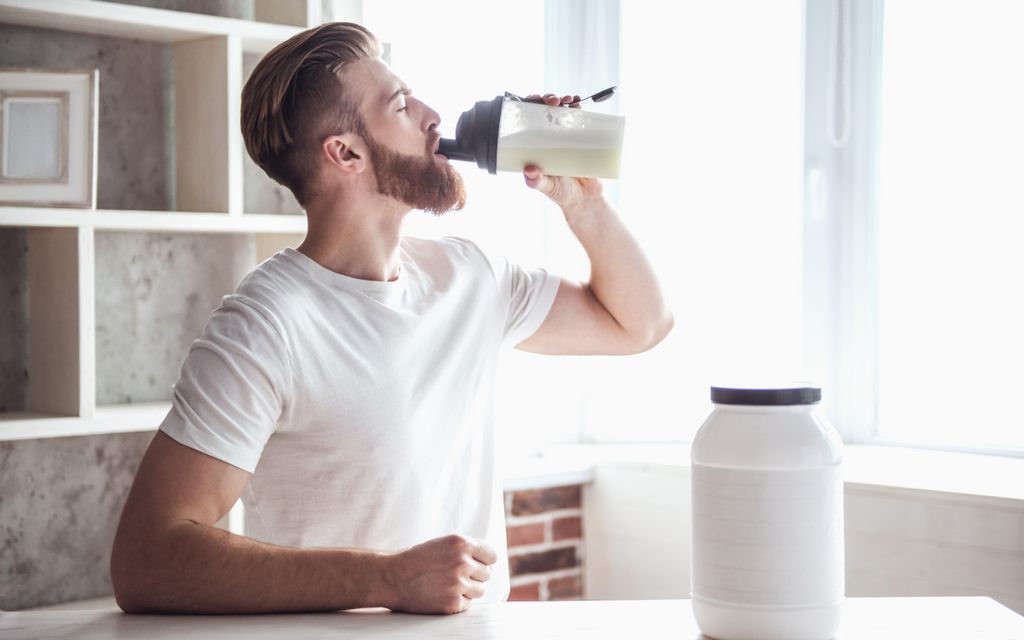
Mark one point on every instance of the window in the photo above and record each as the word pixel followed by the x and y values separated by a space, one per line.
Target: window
pixel 913 219
pixel 711 187
pixel 829 190
pixel 951 223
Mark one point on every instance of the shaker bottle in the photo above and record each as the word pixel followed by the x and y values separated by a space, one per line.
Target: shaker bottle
pixel 509 133
pixel 767 499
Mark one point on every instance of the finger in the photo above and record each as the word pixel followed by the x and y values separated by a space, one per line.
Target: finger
pixel 484 552
pixel 481 573
pixel 473 589
pixel 552 100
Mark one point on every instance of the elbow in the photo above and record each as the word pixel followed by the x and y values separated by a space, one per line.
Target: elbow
pixel 127 594
pixel 134 595
pixel 662 328
pixel 132 575
pixel 127 603
pixel 655 331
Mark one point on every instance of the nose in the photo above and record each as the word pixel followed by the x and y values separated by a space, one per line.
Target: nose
pixel 431 118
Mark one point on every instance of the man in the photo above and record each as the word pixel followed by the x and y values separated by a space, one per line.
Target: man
pixel 346 390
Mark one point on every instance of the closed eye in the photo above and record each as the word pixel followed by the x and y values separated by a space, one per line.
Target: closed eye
pixel 399 96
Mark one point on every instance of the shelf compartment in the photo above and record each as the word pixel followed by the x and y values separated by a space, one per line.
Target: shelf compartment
pixel 29 425
pixel 61 304
pixel 141 23
pixel 208 138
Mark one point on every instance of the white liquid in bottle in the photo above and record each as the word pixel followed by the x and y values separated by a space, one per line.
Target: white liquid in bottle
pixel 559 140
pixel 579 163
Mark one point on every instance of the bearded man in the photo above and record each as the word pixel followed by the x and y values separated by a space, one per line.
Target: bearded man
pixel 345 391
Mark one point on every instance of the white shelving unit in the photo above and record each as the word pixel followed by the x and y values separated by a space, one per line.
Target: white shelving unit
pixel 208 150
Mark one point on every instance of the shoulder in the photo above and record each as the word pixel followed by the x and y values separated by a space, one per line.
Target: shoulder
pixel 277 283
pixel 263 298
pixel 462 255
pixel 448 248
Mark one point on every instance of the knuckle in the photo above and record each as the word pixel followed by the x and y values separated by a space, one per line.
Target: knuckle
pixel 454 604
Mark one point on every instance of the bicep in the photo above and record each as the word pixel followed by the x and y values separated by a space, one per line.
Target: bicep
pixel 577 324
pixel 176 483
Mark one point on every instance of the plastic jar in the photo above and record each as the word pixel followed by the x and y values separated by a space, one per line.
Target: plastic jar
pixel 767 498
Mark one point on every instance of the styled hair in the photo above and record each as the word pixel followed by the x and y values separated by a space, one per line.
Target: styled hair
pixel 295 98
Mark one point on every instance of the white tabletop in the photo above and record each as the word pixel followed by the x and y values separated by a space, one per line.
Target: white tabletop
pixel 864 618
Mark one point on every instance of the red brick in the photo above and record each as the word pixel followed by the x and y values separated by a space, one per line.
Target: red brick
pixel 526 503
pixel 525 593
pixel 525 534
pixel 567 588
pixel 566 528
pixel 552 560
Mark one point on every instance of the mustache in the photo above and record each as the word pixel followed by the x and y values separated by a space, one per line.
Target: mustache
pixel 432 141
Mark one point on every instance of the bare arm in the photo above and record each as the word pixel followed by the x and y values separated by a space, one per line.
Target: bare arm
pixel 622 309
pixel 168 556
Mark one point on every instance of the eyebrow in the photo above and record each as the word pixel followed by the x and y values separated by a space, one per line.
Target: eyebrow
pixel 404 91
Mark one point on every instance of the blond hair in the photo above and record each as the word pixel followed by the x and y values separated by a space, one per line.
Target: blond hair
pixel 295 98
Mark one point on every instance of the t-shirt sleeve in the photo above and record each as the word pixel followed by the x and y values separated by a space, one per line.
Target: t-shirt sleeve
pixel 233 386
pixel 529 294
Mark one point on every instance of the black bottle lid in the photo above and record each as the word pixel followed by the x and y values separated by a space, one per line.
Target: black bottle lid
pixel 476 135
pixel 770 395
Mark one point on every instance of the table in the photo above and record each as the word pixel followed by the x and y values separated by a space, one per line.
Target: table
pixel 959 618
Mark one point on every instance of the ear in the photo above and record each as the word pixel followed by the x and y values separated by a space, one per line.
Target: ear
pixel 345 152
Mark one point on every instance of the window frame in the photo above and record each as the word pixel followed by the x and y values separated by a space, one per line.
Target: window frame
pixel 840 230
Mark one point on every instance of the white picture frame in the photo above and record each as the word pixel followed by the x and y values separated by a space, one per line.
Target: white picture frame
pixel 48 137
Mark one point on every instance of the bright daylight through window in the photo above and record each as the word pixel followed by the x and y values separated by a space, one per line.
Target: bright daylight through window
pixel 711 184
pixel 951 296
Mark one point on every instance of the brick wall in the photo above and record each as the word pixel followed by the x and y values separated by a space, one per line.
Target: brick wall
pixel 545 543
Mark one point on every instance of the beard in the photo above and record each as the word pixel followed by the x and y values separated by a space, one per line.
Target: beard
pixel 417 181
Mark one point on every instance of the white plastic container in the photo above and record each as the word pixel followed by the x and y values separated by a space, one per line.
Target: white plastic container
pixel 767 497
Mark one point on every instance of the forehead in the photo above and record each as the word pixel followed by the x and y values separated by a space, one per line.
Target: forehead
pixel 375 83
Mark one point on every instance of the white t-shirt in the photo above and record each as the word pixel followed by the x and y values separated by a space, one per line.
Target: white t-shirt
pixel 364 410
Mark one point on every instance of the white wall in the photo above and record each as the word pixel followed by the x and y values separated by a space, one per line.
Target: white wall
pixel 636 520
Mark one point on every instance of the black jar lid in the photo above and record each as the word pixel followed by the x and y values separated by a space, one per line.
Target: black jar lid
pixel 771 395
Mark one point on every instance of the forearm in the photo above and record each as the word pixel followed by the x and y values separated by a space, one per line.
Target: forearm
pixel 622 278
pixel 193 568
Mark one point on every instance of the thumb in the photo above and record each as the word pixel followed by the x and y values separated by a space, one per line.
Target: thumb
pixel 535 179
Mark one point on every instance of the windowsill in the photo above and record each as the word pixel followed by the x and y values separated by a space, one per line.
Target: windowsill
pixel 899 468
pixel 542 473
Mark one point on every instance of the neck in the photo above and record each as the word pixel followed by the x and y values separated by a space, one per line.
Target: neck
pixel 356 237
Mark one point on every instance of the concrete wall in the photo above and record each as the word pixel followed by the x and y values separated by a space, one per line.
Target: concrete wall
pixel 59 506
pixel 154 294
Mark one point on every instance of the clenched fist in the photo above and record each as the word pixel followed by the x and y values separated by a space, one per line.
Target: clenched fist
pixel 443 575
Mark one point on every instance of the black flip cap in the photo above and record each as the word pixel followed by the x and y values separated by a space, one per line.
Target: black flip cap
pixel 476 136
